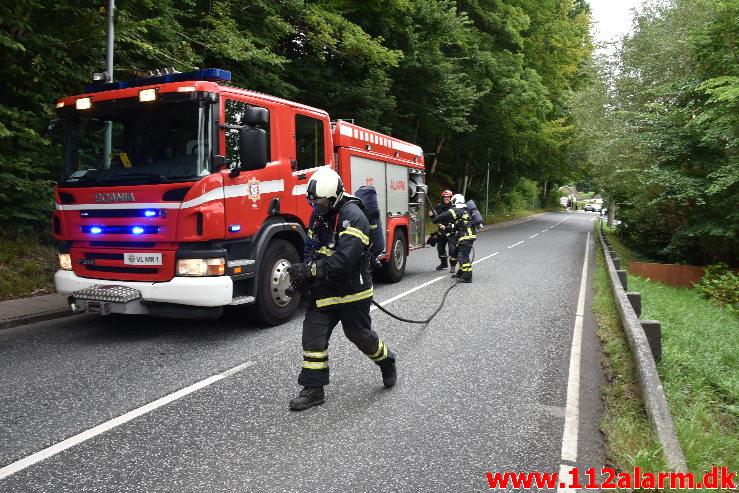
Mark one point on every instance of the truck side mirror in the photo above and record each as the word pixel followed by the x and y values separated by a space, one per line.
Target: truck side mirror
pixel 252 148
pixel 254 115
pixel 53 127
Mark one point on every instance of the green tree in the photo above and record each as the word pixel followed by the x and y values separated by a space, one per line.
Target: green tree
pixel 662 126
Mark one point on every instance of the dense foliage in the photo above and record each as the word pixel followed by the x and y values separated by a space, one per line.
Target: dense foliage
pixel 474 82
pixel 661 128
pixel 721 284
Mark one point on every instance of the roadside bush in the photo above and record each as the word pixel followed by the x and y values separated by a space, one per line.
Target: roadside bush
pixel 722 285
pixel 520 196
pixel 27 266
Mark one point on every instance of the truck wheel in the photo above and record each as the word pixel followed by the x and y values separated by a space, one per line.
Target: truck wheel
pixel 273 306
pixel 394 268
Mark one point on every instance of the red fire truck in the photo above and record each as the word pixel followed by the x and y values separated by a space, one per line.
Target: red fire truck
pixel 182 195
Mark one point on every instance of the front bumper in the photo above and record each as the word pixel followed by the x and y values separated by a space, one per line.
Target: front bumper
pixel 190 291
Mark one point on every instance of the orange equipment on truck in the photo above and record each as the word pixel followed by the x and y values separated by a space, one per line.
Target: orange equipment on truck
pixel 182 195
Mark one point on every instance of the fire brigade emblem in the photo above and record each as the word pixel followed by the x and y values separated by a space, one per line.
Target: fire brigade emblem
pixel 253 190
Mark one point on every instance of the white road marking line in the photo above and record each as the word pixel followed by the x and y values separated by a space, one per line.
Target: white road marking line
pixel 572 409
pixel 115 422
pixel 427 283
pixel 406 293
pixel 564 477
pixel 544 231
pixel 485 258
pixel 515 244
pixel 537 234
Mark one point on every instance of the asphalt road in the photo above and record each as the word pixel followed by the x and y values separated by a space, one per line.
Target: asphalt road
pixel 482 388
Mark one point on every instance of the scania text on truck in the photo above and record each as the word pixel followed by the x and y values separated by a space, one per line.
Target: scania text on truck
pixel 182 195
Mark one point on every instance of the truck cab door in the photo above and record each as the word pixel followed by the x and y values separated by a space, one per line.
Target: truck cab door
pixel 247 193
pixel 311 150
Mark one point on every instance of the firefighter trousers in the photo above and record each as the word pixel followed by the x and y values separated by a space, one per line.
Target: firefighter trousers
pixel 464 249
pixel 317 329
pixel 453 252
pixel 441 243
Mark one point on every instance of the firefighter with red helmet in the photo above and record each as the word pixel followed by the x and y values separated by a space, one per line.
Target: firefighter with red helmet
pixel 336 268
pixel 461 237
pixel 441 236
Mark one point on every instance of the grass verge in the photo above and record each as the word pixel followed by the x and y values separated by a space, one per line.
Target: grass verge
pixel 630 440
pixel 699 372
pixel 26 267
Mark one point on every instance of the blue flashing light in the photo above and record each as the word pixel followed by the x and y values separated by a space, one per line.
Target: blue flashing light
pixel 234 228
pixel 211 74
pixel 137 230
pixel 96 230
pixel 151 213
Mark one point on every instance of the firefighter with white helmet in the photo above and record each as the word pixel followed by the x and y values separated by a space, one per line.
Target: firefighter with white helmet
pixel 463 235
pixel 336 268
pixel 441 236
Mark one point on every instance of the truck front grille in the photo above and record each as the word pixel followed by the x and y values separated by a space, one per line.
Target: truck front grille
pixel 122 270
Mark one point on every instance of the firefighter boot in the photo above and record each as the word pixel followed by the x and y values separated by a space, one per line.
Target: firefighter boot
pixel 389 373
pixel 452 266
pixel 443 265
pixel 309 397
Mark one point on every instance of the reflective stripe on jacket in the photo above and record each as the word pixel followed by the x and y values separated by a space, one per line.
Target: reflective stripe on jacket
pixel 460 219
pixel 342 241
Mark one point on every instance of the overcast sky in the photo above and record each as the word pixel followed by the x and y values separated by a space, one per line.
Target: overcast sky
pixel 612 18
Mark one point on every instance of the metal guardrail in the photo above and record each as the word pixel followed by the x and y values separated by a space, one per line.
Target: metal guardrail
pixel 643 354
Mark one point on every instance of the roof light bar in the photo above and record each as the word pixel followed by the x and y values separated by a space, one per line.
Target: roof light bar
pixel 211 74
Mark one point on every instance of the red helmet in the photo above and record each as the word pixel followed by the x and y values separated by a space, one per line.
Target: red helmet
pixel 446 193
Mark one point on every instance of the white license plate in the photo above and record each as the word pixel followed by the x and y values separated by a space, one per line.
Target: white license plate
pixel 142 258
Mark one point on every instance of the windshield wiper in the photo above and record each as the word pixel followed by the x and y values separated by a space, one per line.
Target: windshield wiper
pixel 184 177
pixel 135 176
pixel 83 181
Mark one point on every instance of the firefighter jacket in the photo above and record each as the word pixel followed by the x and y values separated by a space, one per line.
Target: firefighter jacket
pixel 340 245
pixel 461 222
pixel 441 208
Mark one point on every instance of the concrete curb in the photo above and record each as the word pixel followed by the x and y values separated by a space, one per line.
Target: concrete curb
pixel 646 370
pixel 511 222
pixel 9 323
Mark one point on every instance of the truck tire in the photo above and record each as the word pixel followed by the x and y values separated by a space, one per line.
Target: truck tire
pixel 392 271
pixel 273 306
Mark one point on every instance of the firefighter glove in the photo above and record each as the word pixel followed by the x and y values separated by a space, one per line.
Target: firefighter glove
pixel 318 269
pixel 299 273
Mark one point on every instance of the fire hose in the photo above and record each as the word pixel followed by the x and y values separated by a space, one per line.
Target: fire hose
pixel 408 320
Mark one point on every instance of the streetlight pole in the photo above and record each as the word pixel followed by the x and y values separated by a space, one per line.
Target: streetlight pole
pixel 487 188
pixel 109 78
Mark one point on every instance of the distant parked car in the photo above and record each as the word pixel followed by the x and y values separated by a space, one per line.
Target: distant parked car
pixel 593 207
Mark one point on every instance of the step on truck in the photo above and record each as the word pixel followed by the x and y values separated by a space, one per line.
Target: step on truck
pixel 182 195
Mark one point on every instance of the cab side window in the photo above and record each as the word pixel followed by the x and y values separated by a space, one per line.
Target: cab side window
pixel 235 111
pixel 309 146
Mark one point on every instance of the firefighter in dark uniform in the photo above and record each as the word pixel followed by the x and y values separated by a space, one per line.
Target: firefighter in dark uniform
pixel 336 268
pixel 462 236
pixel 441 237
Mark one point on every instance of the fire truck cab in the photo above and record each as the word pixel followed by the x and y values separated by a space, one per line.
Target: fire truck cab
pixel 182 195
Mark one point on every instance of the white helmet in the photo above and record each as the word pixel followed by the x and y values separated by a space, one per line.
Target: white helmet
pixel 325 189
pixel 458 200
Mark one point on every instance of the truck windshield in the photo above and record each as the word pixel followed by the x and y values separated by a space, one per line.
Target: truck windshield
pixel 159 143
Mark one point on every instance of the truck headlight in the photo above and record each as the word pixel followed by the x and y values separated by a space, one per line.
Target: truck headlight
pixel 201 266
pixel 65 261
